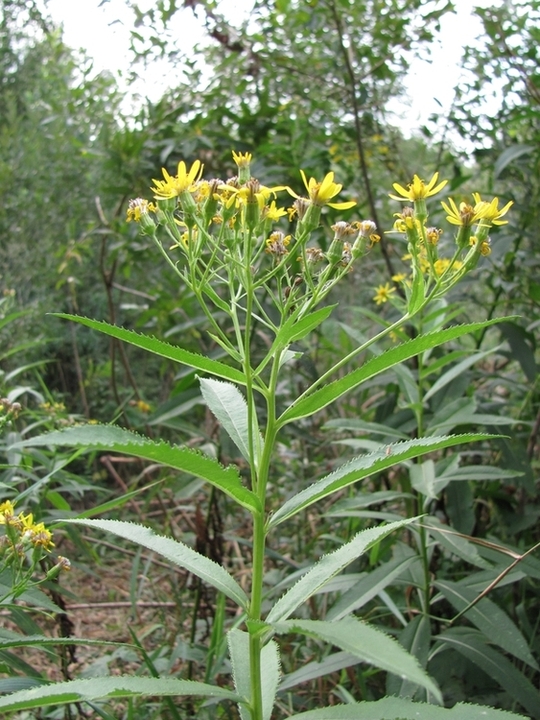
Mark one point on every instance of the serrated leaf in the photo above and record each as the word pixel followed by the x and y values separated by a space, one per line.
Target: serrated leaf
pixel 110 437
pixel 416 639
pixel 327 567
pixel 369 644
pixel 161 348
pixel 176 552
pixel 313 401
pixel 472 645
pixel 489 619
pixel 115 687
pixel 364 466
pixel 239 651
pixel 391 708
pixel 230 408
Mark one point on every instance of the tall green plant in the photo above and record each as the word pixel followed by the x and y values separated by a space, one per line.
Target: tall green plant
pixel 254 281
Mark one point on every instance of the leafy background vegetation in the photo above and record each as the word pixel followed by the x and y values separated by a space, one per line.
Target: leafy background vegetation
pixel 301 85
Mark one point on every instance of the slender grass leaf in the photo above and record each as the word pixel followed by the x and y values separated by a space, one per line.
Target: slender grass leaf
pixel 311 402
pixel 489 619
pixel 37 641
pixel 357 425
pixel 478 472
pixel 174 551
pixel 115 687
pixel 313 670
pixel 513 152
pixel 393 708
pixel 369 644
pixel 366 465
pixel 473 646
pixel 230 408
pixel 369 587
pixel 327 567
pixel 116 439
pixel 457 370
pixel 456 543
pixel 161 348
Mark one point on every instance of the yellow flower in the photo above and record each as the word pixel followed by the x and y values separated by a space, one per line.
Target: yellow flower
pixel 273 213
pixel 184 181
pixel 242 159
pixel 277 244
pixel 40 536
pixel 490 210
pixel 383 293
pixel 464 216
pixel 7 511
pixel 320 193
pixel 417 190
pixel 399 277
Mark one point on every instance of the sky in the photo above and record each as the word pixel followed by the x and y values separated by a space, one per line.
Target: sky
pixel 104 32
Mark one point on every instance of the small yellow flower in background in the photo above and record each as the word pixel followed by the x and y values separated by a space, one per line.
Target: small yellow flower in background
pixel 490 210
pixel 485 246
pixel 242 159
pixel 399 277
pixel 418 190
pixel 7 511
pixel 142 406
pixel 383 293
pixel 183 181
pixel 320 193
pixel 433 234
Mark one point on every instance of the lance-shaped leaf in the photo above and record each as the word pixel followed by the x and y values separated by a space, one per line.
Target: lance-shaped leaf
pixel 369 645
pixel 488 617
pixel 395 707
pixel 230 408
pixel 366 465
pixel 473 645
pixel 239 652
pixel 176 552
pixel 116 687
pixel 161 348
pixel 116 439
pixel 312 402
pixel 327 567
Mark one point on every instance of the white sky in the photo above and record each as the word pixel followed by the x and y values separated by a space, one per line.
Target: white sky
pixel 104 33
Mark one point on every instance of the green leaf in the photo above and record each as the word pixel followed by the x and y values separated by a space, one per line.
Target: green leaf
pixel 416 639
pixel 176 552
pixel 240 658
pixel 230 408
pixel 312 402
pixel 369 587
pixel 313 670
pixel 489 618
pixel 369 644
pixel 473 646
pixel 456 371
pixel 116 439
pixel 115 687
pixel 423 478
pixel 392 708
pixel 293 329
pixel 327 567
pixel 161 348
pixel 455 543
pixel 508 156
pixel 364 466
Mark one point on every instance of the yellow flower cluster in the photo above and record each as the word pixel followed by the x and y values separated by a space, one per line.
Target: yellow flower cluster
pixel 23 528
pixel 423 241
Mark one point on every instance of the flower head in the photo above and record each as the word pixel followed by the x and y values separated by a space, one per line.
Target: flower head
pixel 464 215
pixel 383 293
pixel 183 181
pixel 320 193
pixel 242 159
pixel 489 211
pixel 418 190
